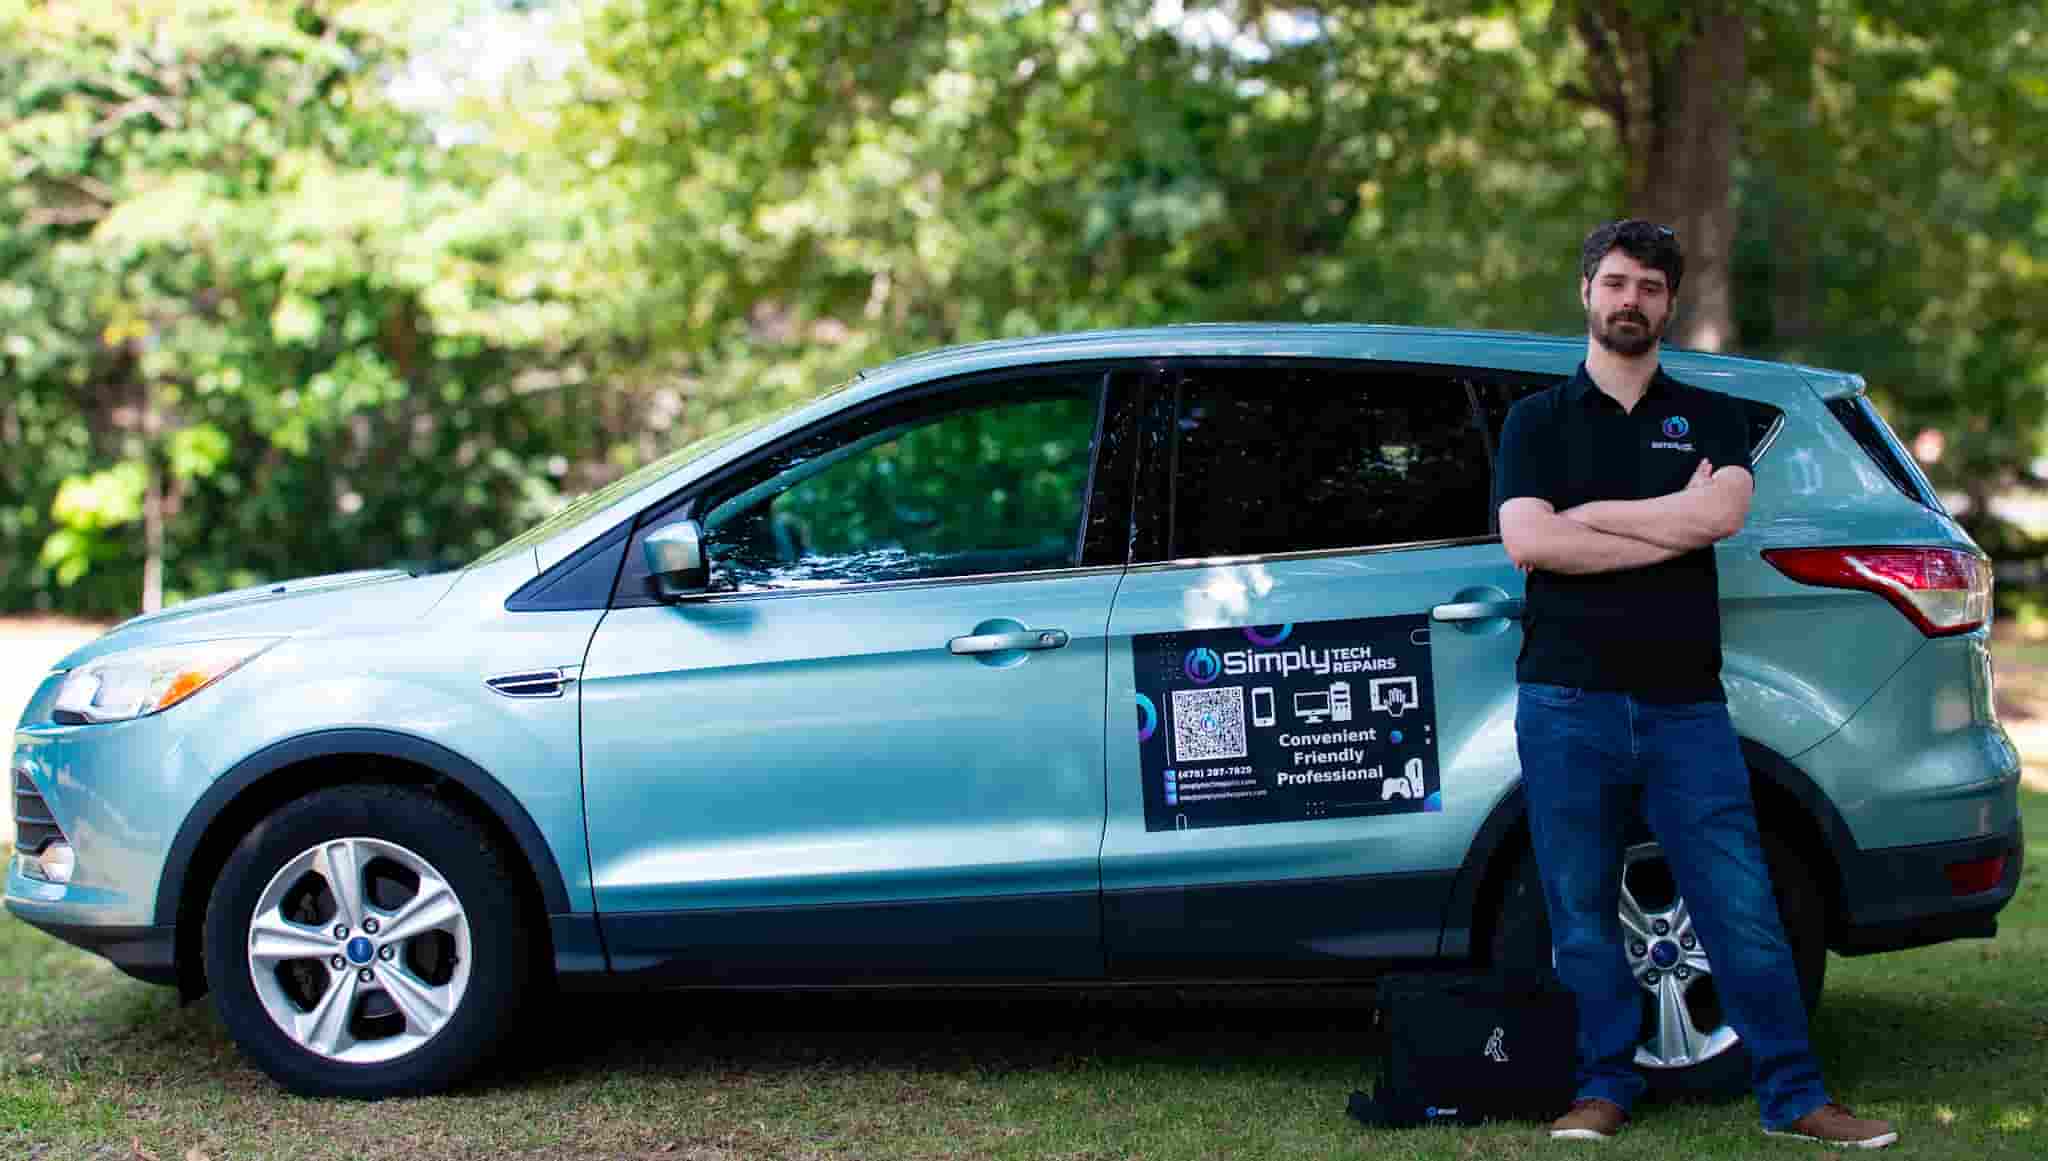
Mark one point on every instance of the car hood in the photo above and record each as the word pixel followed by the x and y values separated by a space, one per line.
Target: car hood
pixel 332 603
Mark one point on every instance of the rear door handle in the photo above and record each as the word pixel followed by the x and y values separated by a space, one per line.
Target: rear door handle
pixel 1006 642
pixel 1477 610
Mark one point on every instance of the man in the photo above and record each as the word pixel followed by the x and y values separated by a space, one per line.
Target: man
pixel 1612 489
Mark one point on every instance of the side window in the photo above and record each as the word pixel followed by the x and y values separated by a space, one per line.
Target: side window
pixel 1272 460
pixel 990 481
pixel 1496 397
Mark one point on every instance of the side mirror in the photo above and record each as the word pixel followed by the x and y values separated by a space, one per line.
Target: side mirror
pixel 676 560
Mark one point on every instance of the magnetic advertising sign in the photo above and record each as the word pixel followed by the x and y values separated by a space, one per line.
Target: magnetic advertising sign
pixel 1286 723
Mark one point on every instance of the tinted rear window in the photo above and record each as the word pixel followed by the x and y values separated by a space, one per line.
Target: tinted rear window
pixel 1869 430
pixel 1279 460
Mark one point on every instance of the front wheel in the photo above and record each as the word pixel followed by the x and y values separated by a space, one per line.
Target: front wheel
pixel 1688 1048
pixel 365 941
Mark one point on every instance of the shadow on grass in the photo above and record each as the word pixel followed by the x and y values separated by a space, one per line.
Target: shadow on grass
pixel 983 1031
pixel 1951 1048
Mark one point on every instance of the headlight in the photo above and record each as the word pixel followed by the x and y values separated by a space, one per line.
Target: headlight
pixel 146 681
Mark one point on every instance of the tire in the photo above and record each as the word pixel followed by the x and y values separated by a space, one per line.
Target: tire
pixel 419 989
pixel 1520 947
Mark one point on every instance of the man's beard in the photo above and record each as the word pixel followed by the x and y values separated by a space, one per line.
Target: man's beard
pixel 1627 343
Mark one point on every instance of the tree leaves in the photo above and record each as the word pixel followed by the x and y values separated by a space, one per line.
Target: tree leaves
pixel 233 266
pixel 333 328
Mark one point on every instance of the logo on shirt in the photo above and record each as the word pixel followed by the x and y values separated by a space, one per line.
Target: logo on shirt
pixel 1675 430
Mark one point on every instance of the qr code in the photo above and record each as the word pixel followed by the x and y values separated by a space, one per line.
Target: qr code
pixel 1208 724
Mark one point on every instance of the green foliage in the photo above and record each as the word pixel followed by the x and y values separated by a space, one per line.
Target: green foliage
pixel 988 172
pixel 1896 220
pixel 86 509
pixel 248 294
pixel 885 177
pixel 238 283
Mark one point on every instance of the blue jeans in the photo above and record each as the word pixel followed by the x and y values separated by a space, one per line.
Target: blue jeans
pixel 1587 757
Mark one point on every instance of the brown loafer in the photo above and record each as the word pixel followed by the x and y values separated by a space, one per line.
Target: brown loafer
pixel 1589 1119
pixel 1831 1124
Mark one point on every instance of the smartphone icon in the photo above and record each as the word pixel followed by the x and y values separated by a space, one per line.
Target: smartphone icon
pixel 1262 706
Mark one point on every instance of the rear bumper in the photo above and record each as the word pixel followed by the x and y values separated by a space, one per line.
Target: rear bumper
pixel 1900 897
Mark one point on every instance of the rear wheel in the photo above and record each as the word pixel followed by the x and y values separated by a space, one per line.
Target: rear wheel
pixel 1688 1048
pixel 366 941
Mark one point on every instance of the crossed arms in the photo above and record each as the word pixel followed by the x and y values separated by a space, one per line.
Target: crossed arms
pixel 1610 535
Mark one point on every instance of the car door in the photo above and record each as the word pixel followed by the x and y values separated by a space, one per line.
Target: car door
pixel 1318 650
pixel 875 752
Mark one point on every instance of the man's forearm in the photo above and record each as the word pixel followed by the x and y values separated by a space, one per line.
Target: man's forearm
pixel 1681 521
pixel 1556 543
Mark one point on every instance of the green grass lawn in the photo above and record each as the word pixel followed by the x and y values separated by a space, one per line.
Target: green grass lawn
pixel 1950 1042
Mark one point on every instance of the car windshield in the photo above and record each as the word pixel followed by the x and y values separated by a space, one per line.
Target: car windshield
pixel 632 481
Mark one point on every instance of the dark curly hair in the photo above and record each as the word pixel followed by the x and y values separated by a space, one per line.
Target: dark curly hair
pixel 1652 245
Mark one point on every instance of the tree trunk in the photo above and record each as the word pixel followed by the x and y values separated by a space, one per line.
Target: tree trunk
pixel 1794 272
pixel 1675 100
pixel 153 541
pixel 152 505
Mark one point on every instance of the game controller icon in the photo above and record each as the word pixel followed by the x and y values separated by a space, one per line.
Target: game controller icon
pixel 1409 785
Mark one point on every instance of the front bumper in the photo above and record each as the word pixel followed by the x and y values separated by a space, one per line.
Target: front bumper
pixel 1900 897
pixel 147 953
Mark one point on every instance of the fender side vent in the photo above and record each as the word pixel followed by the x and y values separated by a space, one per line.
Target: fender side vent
pixel 534 683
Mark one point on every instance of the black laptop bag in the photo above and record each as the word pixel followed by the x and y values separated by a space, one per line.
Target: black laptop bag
pixel 1461 1048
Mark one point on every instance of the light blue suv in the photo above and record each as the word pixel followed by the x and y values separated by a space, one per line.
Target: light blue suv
pixel 1181 654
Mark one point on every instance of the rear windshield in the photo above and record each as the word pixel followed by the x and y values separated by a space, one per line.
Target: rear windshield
pixel 1871 433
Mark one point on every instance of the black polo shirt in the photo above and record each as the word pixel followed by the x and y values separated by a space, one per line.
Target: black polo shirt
pixel 1654 632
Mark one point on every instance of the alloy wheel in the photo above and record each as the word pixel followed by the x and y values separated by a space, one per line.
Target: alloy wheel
pixel 1683 1022
pixel 359 950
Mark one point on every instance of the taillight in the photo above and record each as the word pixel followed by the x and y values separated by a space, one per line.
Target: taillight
pixel 1944 591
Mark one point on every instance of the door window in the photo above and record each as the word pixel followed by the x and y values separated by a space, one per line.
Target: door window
pixel 989 481
pixel 1272 460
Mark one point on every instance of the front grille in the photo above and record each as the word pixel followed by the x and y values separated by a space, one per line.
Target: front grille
pixel 34 826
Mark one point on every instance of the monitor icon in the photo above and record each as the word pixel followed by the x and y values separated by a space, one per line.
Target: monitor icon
pixel 1333 703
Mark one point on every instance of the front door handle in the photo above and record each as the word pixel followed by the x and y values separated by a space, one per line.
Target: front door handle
pixel 1477 610
pixel 1008 642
